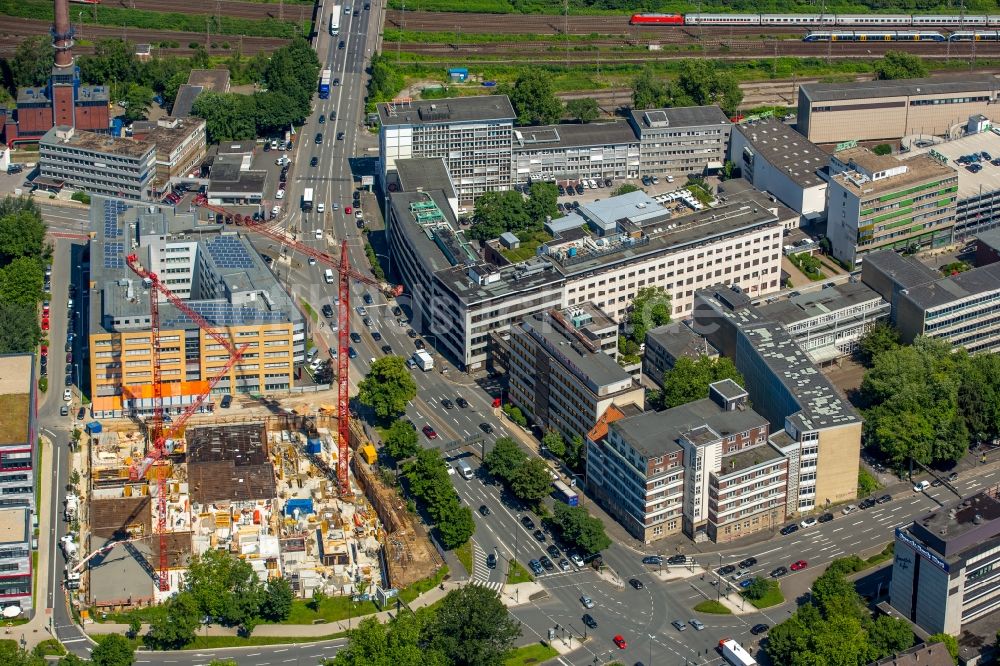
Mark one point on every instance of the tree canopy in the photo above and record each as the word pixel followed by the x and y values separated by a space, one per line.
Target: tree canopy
pixel 579 528
pixel 881 337
pixel 32 62
pixel 225 587
pixel 497 212
pixel 584 110
pixel 899 65
pixel 22 250
pixel 113 650
pixel 650 308
pixel 533 98
pixel 689 379
pixel 387 387
pixel 699 82
pixel 137 100
pixel 527 477
pixel 429 482
pixel 401 441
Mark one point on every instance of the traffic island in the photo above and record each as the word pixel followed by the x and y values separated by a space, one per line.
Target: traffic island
pixel 522 593
pixel 679 572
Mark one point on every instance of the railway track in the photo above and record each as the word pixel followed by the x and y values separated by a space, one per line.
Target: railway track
pixel 250 10
pixel 13 30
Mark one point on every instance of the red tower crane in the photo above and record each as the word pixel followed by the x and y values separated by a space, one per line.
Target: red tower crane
pixel 346 273
pixel 157 437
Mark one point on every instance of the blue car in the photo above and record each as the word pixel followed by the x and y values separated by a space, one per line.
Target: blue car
pixel 746 583
pixel 536 567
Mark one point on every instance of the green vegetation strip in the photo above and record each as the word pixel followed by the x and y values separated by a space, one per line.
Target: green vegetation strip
pixel 464 555
pixel 412 592
pixel 616 8
pixel 214 642
pixel 518 574
pixel 772 598
pixel 528 655
pixel 713 607
pixel 135 18
pixel 433 37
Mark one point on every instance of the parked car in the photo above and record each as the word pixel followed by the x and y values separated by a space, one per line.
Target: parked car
pixel 825 518
pixel 849 509
pixel 226 401
pixel 799 565
pixel 536 567
pixel 528 522
pixel 884 499
pixel 789 529
pixel 808 522
pixel 726 570
pixel 748 562
pixel 539 535
pixel 547 563
pixel 779 572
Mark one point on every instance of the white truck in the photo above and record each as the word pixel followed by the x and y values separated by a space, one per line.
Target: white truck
pixel 423 360
pixel 72 506
pixel 69 547
pixel 735 654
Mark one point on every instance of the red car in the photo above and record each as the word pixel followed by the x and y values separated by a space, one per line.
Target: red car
pixel 800 565
pixel 44 350
pixel 347 210
pixel 45 323
pixel 429 431
pixel 620 642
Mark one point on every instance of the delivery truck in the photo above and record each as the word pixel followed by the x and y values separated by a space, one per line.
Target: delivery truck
pixel 423 360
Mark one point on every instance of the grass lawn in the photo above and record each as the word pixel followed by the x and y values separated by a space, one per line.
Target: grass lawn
pixel 713 607
pixel 464 555
pixel 145 615
pixel 213 642
pixel 535 653
pixel 772 598
pixel 330 610
pixel 518 574
pixel 34 583
pixel 421 586
pixel 13 410
pixel 309 310
pixel 49 647
pixel 530 240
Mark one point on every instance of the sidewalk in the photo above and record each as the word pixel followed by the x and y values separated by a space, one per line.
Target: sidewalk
pixel 296 630
pixel 37 629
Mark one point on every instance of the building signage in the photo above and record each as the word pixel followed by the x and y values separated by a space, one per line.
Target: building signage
pixel 845 145
pixel 926 554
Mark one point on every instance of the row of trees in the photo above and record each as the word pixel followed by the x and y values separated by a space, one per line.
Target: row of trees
pixel 578 527
pixel 225 589
pixel 689 379
pixel 698 83
pixel 470 627
pixel 387 388
pixel 835 628
pixel 928 403
pixel 22 255
pixel 497 212
pixel 428 479
pixel 526 477
pixel 570 452
pixel 289 79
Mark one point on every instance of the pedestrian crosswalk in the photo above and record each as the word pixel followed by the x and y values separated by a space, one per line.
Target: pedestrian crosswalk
pixel 480 572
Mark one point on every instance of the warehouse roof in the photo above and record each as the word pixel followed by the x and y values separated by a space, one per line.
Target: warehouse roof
pixel 443 111
pixel 960 83
pixel 787 151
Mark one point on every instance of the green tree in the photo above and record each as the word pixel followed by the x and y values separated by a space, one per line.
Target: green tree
pixel 890 635
pixel 574 452
pixel 228 116
pixel 21 281
pixel 867 484
pixel 758 589
pixel 899 65
pixel 472 627
pixel 134 626
pixel 22 231
pixel 584 110
pixel 648 92
pixel 401 440
pixel 554 442
pixel 137 100
pixel 879 338
pixel 505 458
pixel 950 643
pixel 317 599
pixel 225 587
pixel 882 149
pixel 113 60
pixel 275 111
pixel 727 170
pixel 979 396
pixel 113 650
pixel 399 642
pixel 276 603
pixel 531 481
pixel 171 87
pixel 497 212
pixel 689 379
pixel 385 82
pixel 11 654
pixel 19 329
pixel 650 308
pixel 533 98
pixel 624 188
pixel 455 525
pixel 32 63
pixel 579 528
pixel 176 627
pixel 541 203
pixel 701 82
pixel 388 387
pixel 516 415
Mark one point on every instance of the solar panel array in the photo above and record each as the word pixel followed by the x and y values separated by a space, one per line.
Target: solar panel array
pixel 113 251
pixel 229 252
pixel 220 313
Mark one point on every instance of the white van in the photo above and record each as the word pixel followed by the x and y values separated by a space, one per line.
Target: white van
pixel 464 469
pixel 328 276
pixel 921 486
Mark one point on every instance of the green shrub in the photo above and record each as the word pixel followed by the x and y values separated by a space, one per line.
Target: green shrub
pixel 712 607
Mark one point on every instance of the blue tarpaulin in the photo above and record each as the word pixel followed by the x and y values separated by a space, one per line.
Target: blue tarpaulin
pixel 94 427
pixel 305 507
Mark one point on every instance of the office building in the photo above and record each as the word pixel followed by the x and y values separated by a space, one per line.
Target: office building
pixel 99 164
pixel 474 135
pixel 63 101
pixel 813 425
pixel 574 151
pixel 458 299
pixel 681 141
pixel 987 247
pixel 15 558
pixel 828 323
pixel 962 309
pixel 879 202
pixel 631 242
pixel 199 81
pixel 561 378
pixel 704 468
pixel 776 159
pixel 665 344
pixel 947 563
pixel 219 275
pixel 838 112
pixel 180 146
pixel 18 430
pixel 977 208
pixel 232 181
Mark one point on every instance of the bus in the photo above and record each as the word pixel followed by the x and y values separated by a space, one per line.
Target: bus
pixel 335 20
pixel 324 84
pixel 307 199
pixel 565 494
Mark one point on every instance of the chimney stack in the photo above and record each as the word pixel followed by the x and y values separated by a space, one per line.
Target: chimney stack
pixel 62 35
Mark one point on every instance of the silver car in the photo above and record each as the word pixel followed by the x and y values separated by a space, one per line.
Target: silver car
pixel 697 624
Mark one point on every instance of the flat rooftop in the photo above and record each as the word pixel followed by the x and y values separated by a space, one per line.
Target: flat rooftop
pixel 14 525
pixel 16 393
pixel 37 94
pixel 427 173
pixel 679 340
pixel 445 111
pixel 943 528
pixel 98 143
pixel 908 272
pixel 748 458
pixel 982 280
pixel 184 101
pixel 969 184
pixel 599 368
pixel 216 80
pixel 819 403
pixel 168 138
pixel 681 116
pixel 112 519
pixel 919 169
pixel 654 434
pixel 574 135
pixel 819 303
pixel 959 83
pixel 787 150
